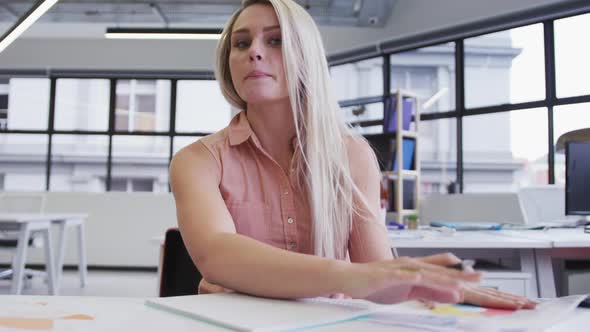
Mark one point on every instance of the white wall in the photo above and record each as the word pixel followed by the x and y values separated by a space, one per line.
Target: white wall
pixel 81 46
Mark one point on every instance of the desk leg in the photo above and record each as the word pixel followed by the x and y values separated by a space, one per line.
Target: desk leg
pixel 18 266
pixel 527 265
pixel 49 264
pixel 546 280
pixel 82 266
pixel 61 249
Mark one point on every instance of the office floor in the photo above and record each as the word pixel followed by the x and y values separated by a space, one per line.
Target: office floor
pixel 99 283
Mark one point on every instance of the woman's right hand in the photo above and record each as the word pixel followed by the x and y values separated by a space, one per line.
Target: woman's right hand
pixel 206 287
pixel 404 278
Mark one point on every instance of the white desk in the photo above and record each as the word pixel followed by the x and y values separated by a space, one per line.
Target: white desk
pixel 534 248
pixel 26 224
pixel 130 314
pixel 567 243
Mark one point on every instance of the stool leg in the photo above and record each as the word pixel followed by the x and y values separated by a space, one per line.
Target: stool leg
pixel 83 268
pixel 61 249
pixel 49 263
pixel 18 265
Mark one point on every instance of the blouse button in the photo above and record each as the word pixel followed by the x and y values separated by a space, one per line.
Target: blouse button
pixel 292 245
pixel 290 220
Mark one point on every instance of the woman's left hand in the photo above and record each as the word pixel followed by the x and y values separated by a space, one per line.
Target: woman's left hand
pixel 483 297
pixel 491 298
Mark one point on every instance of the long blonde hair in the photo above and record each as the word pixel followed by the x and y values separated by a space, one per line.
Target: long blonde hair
pixel 323 160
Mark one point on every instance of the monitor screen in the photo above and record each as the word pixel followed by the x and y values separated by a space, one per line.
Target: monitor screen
pixel 577 178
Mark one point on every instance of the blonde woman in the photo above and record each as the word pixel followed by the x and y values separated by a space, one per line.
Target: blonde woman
pixel 284 202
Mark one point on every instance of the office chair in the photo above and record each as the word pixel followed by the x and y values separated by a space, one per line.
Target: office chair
pixel 179 276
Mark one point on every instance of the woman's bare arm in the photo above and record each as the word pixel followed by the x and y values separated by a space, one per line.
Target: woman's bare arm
pixel 246 265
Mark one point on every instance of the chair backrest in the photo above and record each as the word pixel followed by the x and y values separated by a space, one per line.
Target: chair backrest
pixel 22 202
pixel 488 207
pixel 179 275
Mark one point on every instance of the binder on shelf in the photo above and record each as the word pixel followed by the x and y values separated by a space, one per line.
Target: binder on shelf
pixel 390 113
pixel 409 145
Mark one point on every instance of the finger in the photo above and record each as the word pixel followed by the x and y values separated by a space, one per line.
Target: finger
pixel 428 295
pixel 416 264
pixel 523 301
pixel 484 299
pixel 437 281
pixel 445 259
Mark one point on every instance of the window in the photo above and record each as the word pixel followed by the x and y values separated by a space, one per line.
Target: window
pixel 143 157
pixel 438 155
pixel 200 107
pixel 79 163
pixel 505 67
pixel 132 185
pixel 358 79
pixel 142 105
pixel 505 151
pixel 369 112
pixel 572 68
pixel 568 118
pixel 428 73
pixel 82 104
pixel 23 161
pixel 29 104
pixel 3 103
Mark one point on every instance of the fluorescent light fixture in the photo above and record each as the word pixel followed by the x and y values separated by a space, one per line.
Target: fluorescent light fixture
pixel 25 22
pixel 427 104
pixel 162 33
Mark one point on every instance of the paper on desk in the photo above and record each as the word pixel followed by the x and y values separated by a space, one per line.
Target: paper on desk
pixel 413 314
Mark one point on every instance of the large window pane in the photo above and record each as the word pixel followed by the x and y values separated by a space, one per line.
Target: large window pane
pixel 78 163
pixel 82 104
pixel 358 79
pixel 429 73
pixel 23 160
pixel 572 52
pixel 27 104
pixel 200 107
pixel 138 160
pixel 567 118
pixel 438 156
pixel 505 151
pixel 505 67
pixel 142 105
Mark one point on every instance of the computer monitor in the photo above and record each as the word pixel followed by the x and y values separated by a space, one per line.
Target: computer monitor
pixel 577 178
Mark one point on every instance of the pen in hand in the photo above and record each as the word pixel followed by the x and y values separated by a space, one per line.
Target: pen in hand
pixel 464 265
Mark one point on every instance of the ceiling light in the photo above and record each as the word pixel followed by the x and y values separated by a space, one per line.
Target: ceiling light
pixel 162 33
pixel 25 22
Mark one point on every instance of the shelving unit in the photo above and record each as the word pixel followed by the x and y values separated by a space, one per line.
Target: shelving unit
pixel 401 174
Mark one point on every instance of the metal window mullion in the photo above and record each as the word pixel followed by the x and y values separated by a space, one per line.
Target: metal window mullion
pixel 460 102
pixel 111 130
pixel 550 93
pixel 50 131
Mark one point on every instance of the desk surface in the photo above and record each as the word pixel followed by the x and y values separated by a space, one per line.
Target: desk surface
pixel 16 217
pixel 560 237
pixel 464 239
pixel 71 313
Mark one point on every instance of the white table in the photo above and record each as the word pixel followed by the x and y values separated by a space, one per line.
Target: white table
pixel 130 314
pixel 535 248
pixel 28 223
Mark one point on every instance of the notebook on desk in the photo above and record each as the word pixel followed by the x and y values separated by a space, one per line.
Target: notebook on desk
pixel 248 313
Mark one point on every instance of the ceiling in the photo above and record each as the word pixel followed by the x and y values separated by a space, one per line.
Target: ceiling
pixel 190 13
